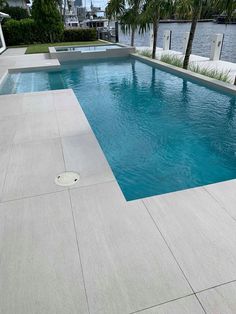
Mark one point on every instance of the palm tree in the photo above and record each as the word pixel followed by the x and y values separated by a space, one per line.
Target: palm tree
pixel 152 11
pixel 127 12
pixel 130 19
pixel 195 7
pixel 115 8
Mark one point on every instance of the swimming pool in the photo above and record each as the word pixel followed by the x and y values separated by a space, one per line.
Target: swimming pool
pixel 160 133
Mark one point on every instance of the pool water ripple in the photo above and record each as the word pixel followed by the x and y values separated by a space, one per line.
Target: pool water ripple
pixel 160 133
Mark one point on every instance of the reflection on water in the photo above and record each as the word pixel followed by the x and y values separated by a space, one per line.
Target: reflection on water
pixel 159 132
pixel 202 41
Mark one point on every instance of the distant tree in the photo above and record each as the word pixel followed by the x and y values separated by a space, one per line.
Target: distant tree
pixel 183 9
pixel 209 10
pixel 2 4
pixel 48 19
pixel 226 6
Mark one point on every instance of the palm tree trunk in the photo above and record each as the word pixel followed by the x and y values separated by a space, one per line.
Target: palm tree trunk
pixel 132 36
pixel 156 20
pixel 196 13
pixel 64 10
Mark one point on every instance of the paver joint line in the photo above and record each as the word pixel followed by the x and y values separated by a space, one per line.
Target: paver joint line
pixel 220 285
pixel 162 303
pixel 168 246
pixel 79 255
pixel 173 255
pixel 219 203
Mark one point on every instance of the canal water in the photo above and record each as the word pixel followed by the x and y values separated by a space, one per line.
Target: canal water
pixel 202 40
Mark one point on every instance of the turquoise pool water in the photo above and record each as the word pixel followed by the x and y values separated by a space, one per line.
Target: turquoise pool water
pixel 159 132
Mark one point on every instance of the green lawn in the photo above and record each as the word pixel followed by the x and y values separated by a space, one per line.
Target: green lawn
pixel 43 48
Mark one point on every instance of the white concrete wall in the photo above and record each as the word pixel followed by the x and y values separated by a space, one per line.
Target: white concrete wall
pixel 2 40
pixel 216 46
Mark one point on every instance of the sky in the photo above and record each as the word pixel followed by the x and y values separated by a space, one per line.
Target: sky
pixel 96 3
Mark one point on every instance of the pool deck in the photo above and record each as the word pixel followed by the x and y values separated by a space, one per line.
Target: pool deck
pixel 85 249
pixel 202 62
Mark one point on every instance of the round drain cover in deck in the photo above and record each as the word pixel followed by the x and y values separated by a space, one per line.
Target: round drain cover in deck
pixel 67 178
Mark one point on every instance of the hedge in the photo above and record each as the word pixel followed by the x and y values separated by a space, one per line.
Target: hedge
pixel 20 32
pixel 80 34
pixel 25 32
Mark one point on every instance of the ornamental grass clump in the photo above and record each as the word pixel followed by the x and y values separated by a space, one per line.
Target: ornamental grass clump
pixel 221 75
pixel 146 53
pixel 172 59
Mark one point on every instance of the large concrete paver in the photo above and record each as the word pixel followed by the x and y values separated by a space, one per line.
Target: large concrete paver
pixel 83 154
pixel 65 100
pixel 32 155
pixel 126 263
pixel 14 52
pixel 32 168
pixel 72 122
pixel 15 63
pixel 219 300
pixel 10 105
pixel 40 268
pixel 39 102
pixel 37 126
pixel 187 305
pixel 8 129
pixel 225 194
pixel 19 104
pixel 27 61
pixel 5 151
pixel 201 235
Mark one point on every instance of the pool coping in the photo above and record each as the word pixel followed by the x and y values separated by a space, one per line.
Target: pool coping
pixel 205 80
pixel 104 43
pixel 121 51
pixel 3 76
